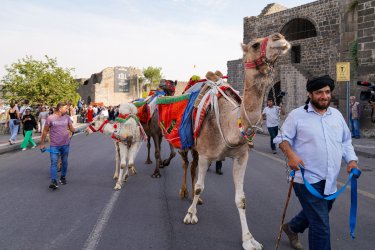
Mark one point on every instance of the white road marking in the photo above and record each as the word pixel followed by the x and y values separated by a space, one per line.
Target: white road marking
pixel 94 237
pixel 360 191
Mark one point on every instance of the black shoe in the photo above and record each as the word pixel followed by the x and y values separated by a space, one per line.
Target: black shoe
pixel 53 185
pixel 219 172
pixel 62 180
pixel 274 151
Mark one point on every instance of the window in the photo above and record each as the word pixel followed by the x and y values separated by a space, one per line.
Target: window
pixel 296 54
pixel 298 28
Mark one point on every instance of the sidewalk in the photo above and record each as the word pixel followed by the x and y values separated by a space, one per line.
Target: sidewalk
pixel 5 147
pixel 363 146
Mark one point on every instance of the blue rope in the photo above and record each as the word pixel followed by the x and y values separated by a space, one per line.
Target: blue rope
pixel 49 150
pixel 354 175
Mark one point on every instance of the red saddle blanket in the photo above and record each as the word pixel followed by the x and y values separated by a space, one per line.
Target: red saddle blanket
pixel 143 111
pixel 171 110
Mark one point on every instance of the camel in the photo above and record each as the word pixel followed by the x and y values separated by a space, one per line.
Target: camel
pixel 127 134
pixel 184 193
pixel 153 131
pixel 230 133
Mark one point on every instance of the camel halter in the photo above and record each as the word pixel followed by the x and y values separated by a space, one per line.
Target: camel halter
pixel 100 129
pixel 170 86
pixel 262 58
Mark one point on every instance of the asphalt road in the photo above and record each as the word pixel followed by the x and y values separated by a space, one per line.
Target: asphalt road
pixel 148 213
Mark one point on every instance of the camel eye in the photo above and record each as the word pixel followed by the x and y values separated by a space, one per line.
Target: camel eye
pixel 255 45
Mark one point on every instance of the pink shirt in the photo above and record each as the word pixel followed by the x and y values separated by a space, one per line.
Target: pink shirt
pixel 58 127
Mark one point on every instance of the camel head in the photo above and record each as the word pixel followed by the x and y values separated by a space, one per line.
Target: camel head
pixel 261 53
pixel 168 86
pixel 96 123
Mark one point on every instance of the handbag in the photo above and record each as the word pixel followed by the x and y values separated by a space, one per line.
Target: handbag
pixel 16 122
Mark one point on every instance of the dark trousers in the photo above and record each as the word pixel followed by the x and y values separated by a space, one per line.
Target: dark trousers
pixel 219 164
pixel 273 133
pixel 314 215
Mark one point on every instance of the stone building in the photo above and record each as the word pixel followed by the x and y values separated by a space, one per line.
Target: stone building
pixel 321 33
pixel 111 86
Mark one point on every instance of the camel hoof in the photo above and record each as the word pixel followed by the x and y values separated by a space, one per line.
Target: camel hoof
pixel 184 193
pixel 190 218
pixel 252 245
pixel 148 161
pixel 165 163
pixel 133 171
pixel 200 201
pixel 156 175
pixel 117 187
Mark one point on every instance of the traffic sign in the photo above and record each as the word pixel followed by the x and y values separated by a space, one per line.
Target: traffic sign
pixel 343 71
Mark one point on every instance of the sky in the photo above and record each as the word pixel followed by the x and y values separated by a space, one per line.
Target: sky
pixel 183 37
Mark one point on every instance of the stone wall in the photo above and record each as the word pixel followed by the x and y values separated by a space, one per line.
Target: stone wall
pixel 337 28
pixel 101 87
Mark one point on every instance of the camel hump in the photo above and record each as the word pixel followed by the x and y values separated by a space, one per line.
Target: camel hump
pixel 219 74
pixel 128 108
pixel 212 76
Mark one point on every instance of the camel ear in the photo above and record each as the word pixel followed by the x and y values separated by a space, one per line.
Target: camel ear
pixel 211 76
pixel 175 83
pixel 219 74
pixel 245 48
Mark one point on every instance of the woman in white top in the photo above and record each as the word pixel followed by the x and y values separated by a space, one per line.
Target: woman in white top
pixel 42 118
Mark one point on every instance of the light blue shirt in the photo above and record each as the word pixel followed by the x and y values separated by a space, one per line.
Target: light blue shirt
pixel 321 141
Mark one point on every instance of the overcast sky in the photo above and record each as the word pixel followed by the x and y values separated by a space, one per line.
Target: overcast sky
pixel 91 35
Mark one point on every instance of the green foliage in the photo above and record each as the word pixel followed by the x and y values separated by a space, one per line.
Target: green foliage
pixel 153 75
pixel 40 82
pixel 353 49
pixel 353 5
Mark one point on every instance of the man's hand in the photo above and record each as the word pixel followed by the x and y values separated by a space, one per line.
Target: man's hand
pixel 42 146
pixel 293 158
pixel 294 161
pixel 351 165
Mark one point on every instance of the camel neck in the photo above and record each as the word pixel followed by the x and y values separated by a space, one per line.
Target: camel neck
pixel 254 89
pixel 108 130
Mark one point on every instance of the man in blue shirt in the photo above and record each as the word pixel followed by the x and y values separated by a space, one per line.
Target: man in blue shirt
pixel 317 137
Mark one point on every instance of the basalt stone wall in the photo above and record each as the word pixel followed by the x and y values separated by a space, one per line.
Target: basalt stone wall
pixel 336 27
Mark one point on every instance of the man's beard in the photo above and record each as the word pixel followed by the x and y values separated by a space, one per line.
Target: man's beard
pixel 320 106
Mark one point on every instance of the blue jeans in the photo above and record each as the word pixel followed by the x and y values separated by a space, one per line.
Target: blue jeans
pixel 64 152
pixel 273 133
pixel 13 129
pixel 314 215
pixel 355 127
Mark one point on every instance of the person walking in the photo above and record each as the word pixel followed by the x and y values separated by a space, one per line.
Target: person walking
pixel 317 137
pixel 111 114
pixel 355 115
pixel 13 121
pixel 57 125
pixel 272 115
pixel 29 124
pixel 42 118
pixel 90 114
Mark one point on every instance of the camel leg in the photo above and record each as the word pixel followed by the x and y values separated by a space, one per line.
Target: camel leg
pixel 132 153
pixel 123 155
pixel 185 164
pixel 148 161
pixel 239 167
pixel 191 216
pixel 117 149
pixel 193 170
pixel 157 141
pixel 172 154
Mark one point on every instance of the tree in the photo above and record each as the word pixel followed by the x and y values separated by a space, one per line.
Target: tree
pixel 40 82
pixel 153 75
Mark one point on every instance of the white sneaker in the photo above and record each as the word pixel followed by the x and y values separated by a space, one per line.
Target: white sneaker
pixel 24 149
pixel 33 147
